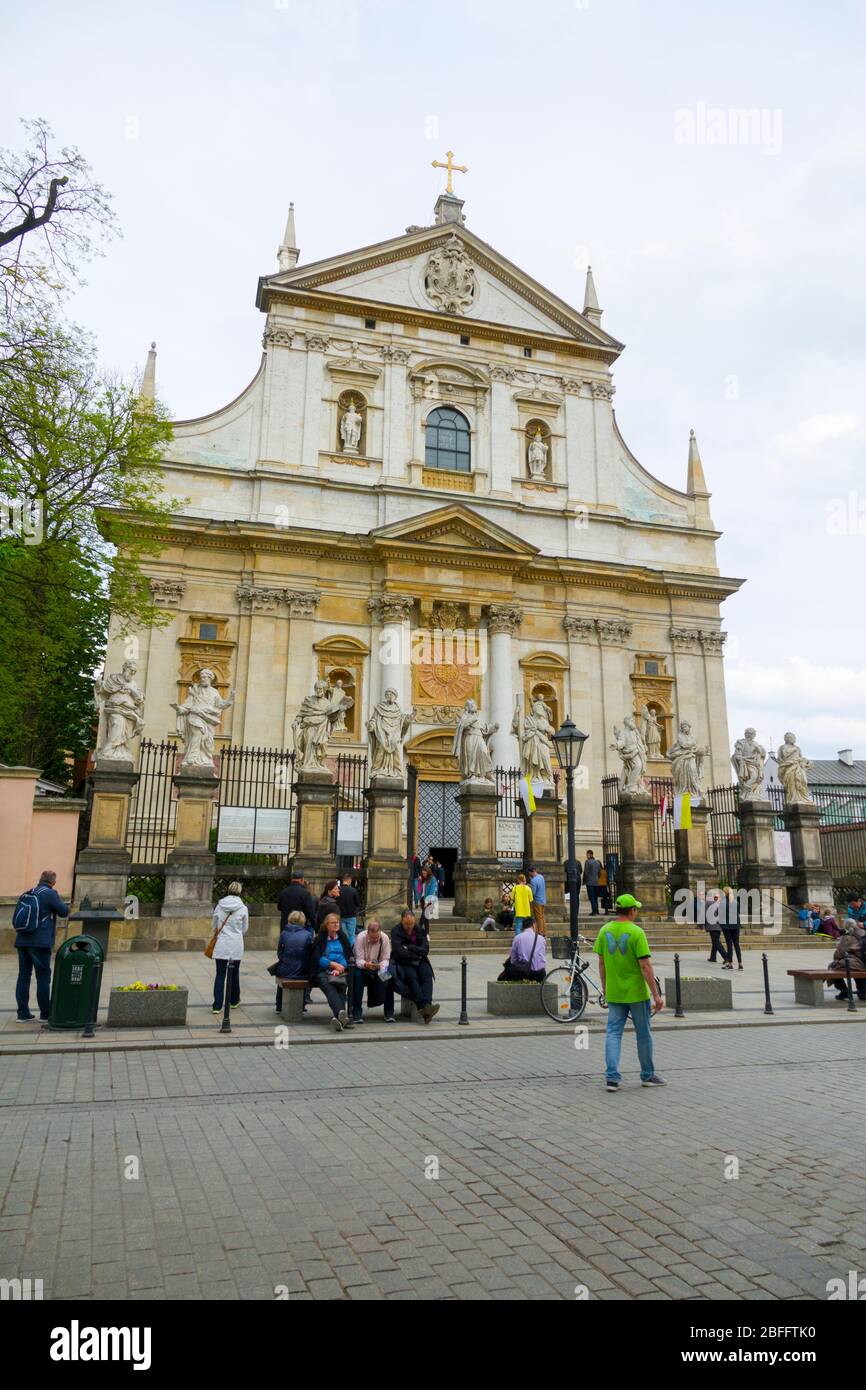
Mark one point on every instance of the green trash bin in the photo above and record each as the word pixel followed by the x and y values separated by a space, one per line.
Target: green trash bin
pixel 75 987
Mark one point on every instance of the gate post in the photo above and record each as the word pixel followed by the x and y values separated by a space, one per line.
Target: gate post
pixel 189 866
pixel 640 872
pixel 385 865
pixel 540 830
pixel 811 881
pixel 316 801
pixel 477 874
pixel 102 868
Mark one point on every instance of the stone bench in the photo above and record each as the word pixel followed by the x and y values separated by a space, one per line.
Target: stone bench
pixel 507 999
pixel 700 994
pixel 293 999
pixel 809 984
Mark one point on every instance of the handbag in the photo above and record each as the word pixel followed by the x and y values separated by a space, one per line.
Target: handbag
pixel 208 950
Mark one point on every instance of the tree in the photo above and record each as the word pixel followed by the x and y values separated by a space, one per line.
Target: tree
pixel 50 210
pixel 80 475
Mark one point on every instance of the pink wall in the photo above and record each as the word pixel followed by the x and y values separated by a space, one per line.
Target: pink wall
pixel 36 833
pixel 53 838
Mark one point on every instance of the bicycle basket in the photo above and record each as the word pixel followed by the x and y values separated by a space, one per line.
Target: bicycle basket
pixel 562 947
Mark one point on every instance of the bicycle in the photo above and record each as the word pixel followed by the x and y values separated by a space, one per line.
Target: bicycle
pixel 573 982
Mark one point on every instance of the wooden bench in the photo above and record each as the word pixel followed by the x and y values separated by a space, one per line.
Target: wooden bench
pixel 293 999
pixel 809 984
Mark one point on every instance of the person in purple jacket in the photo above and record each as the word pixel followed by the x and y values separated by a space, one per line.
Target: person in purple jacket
pixel 34 949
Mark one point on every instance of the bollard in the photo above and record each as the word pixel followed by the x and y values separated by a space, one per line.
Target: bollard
pixel 225 1026
pixel 852 1003
pixel 90 1026
pixel 350 988
pixel 678 1011
pixel 464 1016
pixel 768 1007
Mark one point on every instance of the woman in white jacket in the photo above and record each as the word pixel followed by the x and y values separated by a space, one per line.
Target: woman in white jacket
pixel 230 921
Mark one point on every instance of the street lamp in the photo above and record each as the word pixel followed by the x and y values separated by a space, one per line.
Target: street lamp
pixel 568 742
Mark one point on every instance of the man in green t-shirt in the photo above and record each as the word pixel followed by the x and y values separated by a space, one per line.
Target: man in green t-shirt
pixel 629 984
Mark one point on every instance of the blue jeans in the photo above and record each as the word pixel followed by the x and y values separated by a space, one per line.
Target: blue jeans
pixel 350 926
pixel 617 1014
pixel 219 983
pixel 592 891
pixel 32 958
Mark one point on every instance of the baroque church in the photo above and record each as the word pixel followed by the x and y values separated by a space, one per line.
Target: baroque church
pixel 424 488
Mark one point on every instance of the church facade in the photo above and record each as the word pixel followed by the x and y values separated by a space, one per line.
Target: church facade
pixel 424 489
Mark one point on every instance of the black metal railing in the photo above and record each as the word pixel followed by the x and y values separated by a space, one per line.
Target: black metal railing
pixel 153 808
pixel 662 793
pixel 842 827
pixel 350 775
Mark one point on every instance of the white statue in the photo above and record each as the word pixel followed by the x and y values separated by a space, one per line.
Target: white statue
pixel 470 745
pixel 535 740
pixel 350 429
pixel 748 759
pixel 537 456
pixel 314 723
pixel 340 723
pixel 198 719
pixel 632 750
pixel 120 704
pixel 792 772
pixel 387 727
pixel 687 762
pixel 651 732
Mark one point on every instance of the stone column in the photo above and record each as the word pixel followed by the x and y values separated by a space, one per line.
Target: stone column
pixel 502 623
pixel 759 868
pixel 396 447
pixel 477 874
pixel 385 864
pixel 189 866
pixel 694 863
pixel 315 807
pixel 389 660
pixel 267 663
pixel 540 850
pixel 317 344
pixel 103 867
pixel 640 872
pixel 502 416
pixel 810 881
pixel 301 666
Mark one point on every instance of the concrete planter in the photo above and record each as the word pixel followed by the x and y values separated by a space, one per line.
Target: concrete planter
pixel 147 1008
pixel 700 995
pixel 508 1000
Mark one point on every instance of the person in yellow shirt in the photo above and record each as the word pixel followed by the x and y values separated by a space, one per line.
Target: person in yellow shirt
pixel 521 895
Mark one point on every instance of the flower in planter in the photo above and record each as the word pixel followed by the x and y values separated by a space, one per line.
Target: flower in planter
pixel 141 988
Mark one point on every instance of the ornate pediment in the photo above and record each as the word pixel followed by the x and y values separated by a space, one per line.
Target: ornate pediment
pixel 453 530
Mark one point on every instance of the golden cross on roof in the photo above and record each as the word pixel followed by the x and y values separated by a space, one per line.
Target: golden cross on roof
pixel 452 169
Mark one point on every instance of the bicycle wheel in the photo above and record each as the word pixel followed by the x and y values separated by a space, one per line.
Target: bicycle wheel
pixel 571 994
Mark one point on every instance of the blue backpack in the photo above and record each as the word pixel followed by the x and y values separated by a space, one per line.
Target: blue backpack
pixel 26 912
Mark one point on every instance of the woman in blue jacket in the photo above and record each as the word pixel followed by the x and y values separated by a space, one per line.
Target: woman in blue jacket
pixel 34 948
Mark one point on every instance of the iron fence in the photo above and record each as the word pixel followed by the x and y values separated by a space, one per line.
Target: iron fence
pixel 726 842
pixel 153 807
pixel 842 828
pixel 350 775
pixel 661 791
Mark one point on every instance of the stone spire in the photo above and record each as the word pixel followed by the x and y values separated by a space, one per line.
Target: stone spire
pixel 147 391
pixel 697 483
pixel 591 310
pixel 288 253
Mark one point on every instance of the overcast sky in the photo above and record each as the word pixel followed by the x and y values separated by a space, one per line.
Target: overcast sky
pixel 594 130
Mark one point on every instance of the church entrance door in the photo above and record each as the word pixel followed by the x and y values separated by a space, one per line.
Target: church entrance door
pixel 439 826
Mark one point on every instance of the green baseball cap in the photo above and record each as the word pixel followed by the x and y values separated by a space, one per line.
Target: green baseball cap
pixel 626 900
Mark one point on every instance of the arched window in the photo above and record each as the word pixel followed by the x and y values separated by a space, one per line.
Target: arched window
pixel 447 440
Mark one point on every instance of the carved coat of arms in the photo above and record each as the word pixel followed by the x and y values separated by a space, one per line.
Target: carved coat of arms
pixel 449 280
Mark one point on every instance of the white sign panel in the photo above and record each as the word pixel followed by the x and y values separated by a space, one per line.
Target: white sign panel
pixel 237 830
pixel 784 856
pixel 509 835
pixel 350 832
pixel 272 830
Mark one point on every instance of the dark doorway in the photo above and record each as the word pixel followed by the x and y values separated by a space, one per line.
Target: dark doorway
pixel 447 858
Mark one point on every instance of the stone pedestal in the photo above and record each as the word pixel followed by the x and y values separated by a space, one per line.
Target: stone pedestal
pixel 102 868
pixel 385 865
pixel 316 803
pixel 189 866
pixel 477 874
pixel 759 868
pixel 640 872
pixel 694 865
pixel 809 881
pixel 540 831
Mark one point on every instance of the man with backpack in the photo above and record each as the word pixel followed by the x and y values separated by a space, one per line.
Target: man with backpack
pixel 35 920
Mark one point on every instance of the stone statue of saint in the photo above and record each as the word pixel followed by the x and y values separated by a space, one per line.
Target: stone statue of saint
pixel 537 456
pixel 387 728
pixel 314 723
pixel 687 762
pixel 350 429
pixel 120 704
pixel 748 759
pixel 632 750
pixel 792 772
pixel 535 740
pixel 340 724
pixel 470 745
pixel 651 732
pixel 198 719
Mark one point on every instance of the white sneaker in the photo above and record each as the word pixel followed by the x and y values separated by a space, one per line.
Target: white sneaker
pixel 336 1025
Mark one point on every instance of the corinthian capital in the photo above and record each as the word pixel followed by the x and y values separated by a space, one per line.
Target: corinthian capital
pixel 685 639
pixel 579 629
pixel 713 642
pixel 503 618
pixel 613 631
pixel 316 342
pixel 167 592
pixel 395 354
pixel 391 608
pixel 260 598
pixel 302 602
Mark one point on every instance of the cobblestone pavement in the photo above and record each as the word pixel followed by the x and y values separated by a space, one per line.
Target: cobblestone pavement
pixel 304 1170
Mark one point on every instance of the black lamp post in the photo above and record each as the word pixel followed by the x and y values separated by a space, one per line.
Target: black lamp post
pixel 568 742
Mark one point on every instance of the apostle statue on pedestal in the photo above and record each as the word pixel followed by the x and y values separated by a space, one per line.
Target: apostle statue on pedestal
pixel 537 455
pixel 535 740
pixel 748 759
pixel 651 732
pixel 120 704
pixel 792 772
pixel 687 762
pixel 198 720
pixel 314 723
pixel 632 750
pixel 350 429
pixel 470 746
pixel 387 728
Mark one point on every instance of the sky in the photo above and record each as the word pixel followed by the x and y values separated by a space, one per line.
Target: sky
pixel 707 159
